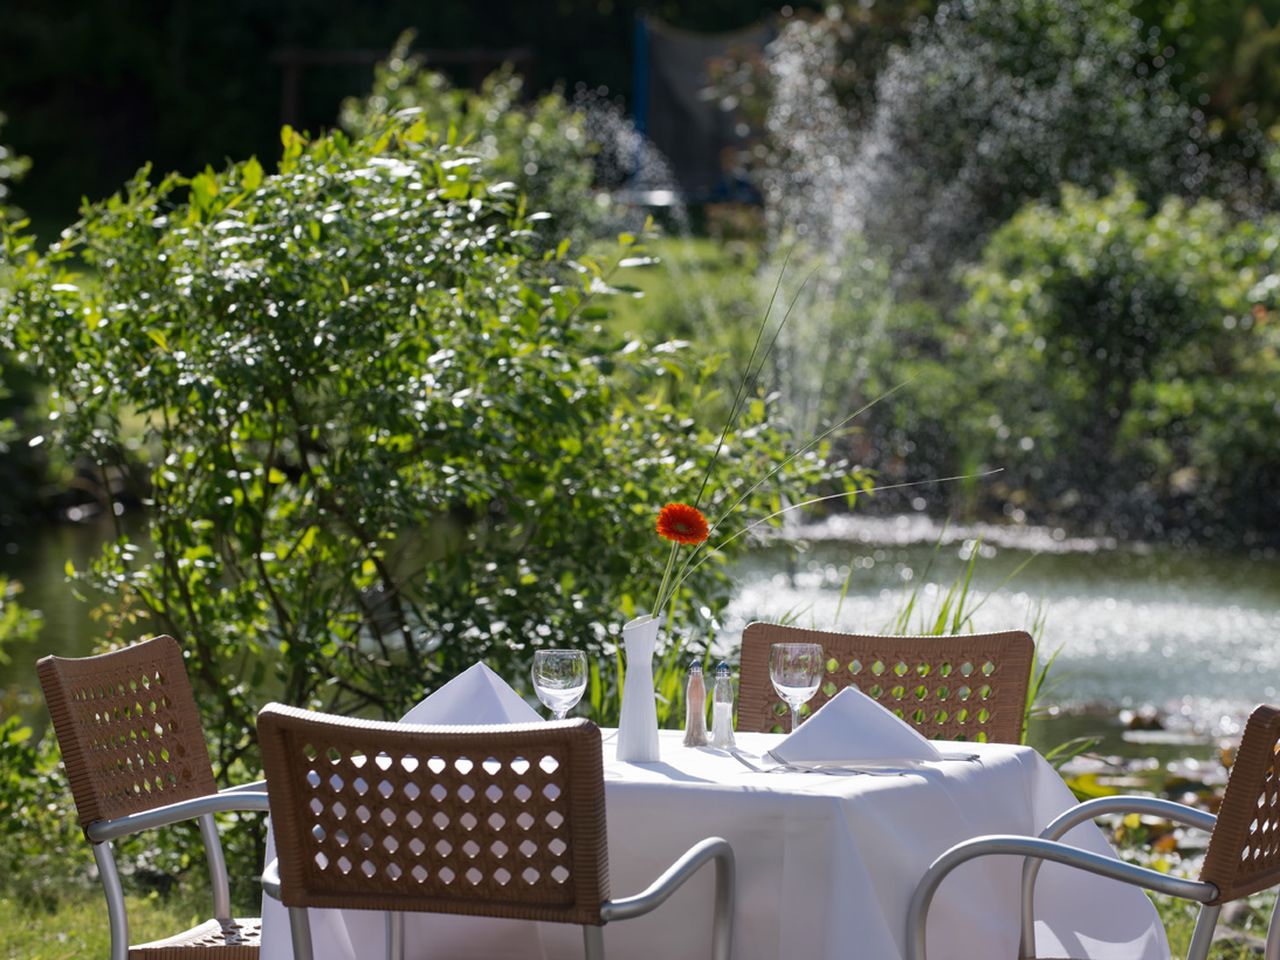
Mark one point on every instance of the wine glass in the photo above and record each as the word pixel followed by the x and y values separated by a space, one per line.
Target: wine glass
pixel 559 677
pixel 796 671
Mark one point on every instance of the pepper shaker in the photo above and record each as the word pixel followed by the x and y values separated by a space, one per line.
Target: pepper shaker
pixel 695 721
pixel 722 709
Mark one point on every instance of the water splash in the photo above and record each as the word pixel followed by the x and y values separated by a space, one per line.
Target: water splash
pixel 991 104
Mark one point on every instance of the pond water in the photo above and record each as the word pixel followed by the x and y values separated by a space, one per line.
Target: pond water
pixel 37 558
pixel 1193 633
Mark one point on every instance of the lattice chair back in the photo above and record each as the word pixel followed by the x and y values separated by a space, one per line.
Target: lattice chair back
pixel 1244 850
pixel 493 821
pixel 968 687
pixel 129 729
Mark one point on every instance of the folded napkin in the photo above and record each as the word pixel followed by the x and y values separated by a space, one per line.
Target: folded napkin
pixel 475 696
pixel 853 728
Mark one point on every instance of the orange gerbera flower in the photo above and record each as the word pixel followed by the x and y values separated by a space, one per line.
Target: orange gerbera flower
pixel 682 523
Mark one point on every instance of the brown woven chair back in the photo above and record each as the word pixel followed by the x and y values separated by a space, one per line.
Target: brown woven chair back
pixel 970 687
pixel 129 729
pixel 1244 851
pixel 501 821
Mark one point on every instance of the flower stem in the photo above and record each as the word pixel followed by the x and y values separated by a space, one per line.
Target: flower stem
pixel 666 576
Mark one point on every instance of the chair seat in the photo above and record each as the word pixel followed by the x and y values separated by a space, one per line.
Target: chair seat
pixel 214 939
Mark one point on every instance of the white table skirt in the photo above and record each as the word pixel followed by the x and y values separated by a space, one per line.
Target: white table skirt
pixel 826 866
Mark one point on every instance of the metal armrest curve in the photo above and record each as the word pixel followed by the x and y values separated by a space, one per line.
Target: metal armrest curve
pixel 1017 846
pixel 257 786
pixel 657 893
pixel 712 849
pixel 1088 811
pixel 102 830
pixel 271 879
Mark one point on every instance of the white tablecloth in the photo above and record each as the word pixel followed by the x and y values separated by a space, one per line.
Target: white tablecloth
pixel 826 866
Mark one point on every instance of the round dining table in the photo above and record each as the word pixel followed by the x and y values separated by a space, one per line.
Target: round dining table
pixel 827 860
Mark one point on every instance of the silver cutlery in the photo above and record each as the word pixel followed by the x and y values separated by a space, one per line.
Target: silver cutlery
pixel 835 769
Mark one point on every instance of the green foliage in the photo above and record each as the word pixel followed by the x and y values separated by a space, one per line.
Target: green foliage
pixel 42 851
pixel 1111 351
pixel 12 168
pixel 17 623
pixel 1228 55
pixel 383 437
pixel 544 146
pixel 76 926
pixel 17 472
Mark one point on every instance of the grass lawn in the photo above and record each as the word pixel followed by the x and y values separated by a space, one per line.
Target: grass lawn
pixel 77 929
pixel 1180 920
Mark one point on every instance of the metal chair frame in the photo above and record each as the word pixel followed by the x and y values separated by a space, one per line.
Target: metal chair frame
pixel 1256 759
pixel 299 724
pixel 247 798
pixel 113 747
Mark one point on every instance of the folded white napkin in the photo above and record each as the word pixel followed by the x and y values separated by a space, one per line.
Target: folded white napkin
pixel 475 696
pixel 853 728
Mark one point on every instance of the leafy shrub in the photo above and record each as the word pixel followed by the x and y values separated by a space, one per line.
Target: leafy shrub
pixel 1116 355
pixel 42 850
pixel 17 622
pixel 12 168
pixel 383 437
pixel 543 146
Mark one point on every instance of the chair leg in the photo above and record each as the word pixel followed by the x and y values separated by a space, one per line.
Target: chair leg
pixel 726 903
pixel 105 857
pixel 1202 936
pixel 1272 951
pixel 300 932
pixel 217 867
pixel 593 941
pixel 395 935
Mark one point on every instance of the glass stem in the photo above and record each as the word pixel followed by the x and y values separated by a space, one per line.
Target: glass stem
pixel 795 717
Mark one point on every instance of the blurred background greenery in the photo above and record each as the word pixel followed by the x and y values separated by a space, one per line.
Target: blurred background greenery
pixel 1048 230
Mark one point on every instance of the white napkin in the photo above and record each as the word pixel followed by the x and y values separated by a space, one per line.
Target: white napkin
pixel 853 728
pixel 475 696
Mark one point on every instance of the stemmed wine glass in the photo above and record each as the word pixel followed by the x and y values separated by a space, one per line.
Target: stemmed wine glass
pixel 796 671
pixel 559 677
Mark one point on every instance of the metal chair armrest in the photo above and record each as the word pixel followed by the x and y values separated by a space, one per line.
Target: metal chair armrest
pixel 102 830
pixel 712 849
pixel 271 880
pixel 1085 812
pixel 1002 845
pixel 257 786
pixel 1151 806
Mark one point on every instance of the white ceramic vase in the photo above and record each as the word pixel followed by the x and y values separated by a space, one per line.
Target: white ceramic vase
pixel 638 725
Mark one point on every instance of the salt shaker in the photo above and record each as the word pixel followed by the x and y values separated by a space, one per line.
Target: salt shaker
pixel 722 709
pixel 695 722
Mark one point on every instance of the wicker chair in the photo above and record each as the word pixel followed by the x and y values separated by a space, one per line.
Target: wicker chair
pixel 969 687
pixel 504 821
pixel 135 754
pixel 1243 855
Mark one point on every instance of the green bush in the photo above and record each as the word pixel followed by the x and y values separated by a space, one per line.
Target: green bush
pixel 42 851
pixel 12 168
pixel 1115 355
pixel 543 146
pixel 382 435
pixel 380 432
